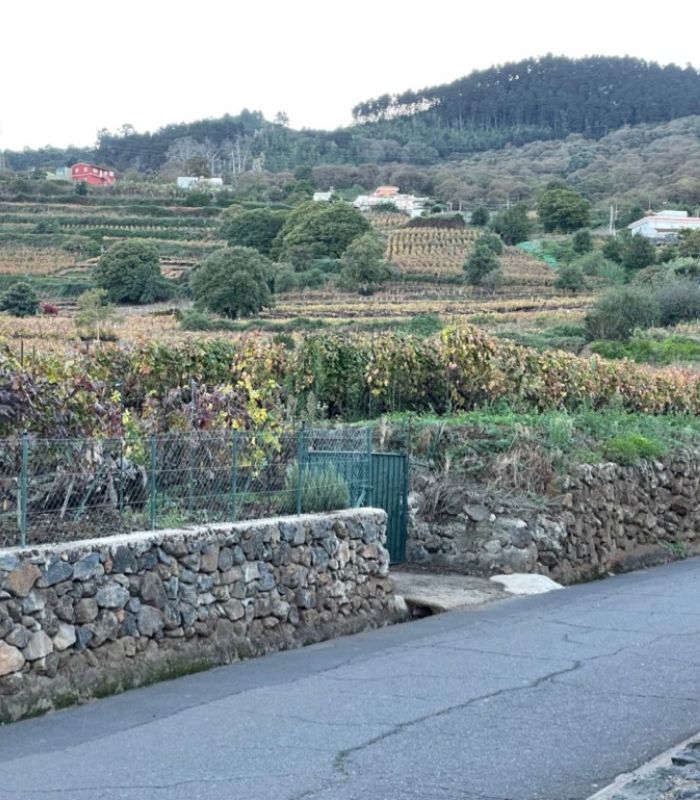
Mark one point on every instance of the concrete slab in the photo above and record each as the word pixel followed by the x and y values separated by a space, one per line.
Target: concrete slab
pixel 523 583
pixel 444 592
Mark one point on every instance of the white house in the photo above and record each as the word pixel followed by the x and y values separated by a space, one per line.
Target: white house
pixel 323 197
pixel 662 225
pixel 190 182
pixel 390 194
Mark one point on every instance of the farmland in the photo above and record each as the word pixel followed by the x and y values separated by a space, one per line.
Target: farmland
pixel 56 245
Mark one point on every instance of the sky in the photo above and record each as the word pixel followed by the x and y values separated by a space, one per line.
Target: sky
pixel 71 67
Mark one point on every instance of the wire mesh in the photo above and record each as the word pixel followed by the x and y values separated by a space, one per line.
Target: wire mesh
pixel 63 489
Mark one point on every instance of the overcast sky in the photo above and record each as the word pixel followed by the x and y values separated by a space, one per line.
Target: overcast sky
pixel 70 67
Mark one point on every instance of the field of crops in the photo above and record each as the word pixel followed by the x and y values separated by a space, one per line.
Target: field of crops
pixel 21 261
pixel 429 251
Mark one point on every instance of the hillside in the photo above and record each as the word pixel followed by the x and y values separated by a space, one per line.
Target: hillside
pixel 536 99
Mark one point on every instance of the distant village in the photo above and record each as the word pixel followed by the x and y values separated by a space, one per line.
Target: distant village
pixel 658 226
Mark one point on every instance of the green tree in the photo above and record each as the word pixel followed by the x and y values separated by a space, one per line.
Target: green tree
pixel 81 188
pixel 20 300
pixel 620 312
pixel 481 262
pixel 582 242
pixel 362 264
pixel 233 282
pixel 325 228
pixel 689 244
pixel 563 209
pixel 638 252
pixel 570 278
pixel 513 225
pixel 491 241
pixel 613 247
pixel 255 228
pixel 130 273
pixel 480 216
pixel 94 314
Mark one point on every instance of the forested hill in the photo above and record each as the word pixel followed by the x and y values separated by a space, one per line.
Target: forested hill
pixel 536 99
pixel 560 95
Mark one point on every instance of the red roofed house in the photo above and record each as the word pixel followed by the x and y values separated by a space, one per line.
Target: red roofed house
pixel 92 174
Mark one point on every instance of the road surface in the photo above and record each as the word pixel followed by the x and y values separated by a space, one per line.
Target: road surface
pixel 544 697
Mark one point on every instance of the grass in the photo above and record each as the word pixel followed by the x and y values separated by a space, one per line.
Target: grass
pixel 476 442
pixel 647 350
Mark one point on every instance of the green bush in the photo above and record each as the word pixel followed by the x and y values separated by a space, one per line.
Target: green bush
pixel 570 278
pixel 491 241
pixel 20 300
pixel 591 263
pixel 620 312
pixel 678 301
pixel 582 241
pixel 130 273
pixel 480 216
pixel 232 282
pixel 632 447
pixel 322 489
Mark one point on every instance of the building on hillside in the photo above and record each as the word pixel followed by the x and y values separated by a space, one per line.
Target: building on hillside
pixel 664 225
pixel 408 203
pixel 323 197
pixel 188 182
pixel 92 174
pixel 59 174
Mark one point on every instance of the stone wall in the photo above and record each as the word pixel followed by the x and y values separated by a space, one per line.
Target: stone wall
pixel 90 618
pixel 598 519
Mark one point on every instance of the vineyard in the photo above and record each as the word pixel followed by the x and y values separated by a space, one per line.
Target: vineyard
pixel 256 384
pixel 428 251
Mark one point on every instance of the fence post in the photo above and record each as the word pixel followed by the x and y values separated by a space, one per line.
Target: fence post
pixel 368 456
pixel 154 474
pixel 234 474
pixel 301 465
pixel 120 490
pixel 23 490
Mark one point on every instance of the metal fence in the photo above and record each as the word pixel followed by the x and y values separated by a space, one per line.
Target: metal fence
pixel 61 489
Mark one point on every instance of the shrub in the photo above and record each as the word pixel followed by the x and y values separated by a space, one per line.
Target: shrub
pixel 363 265
pixel 491 241
pixel 20 300
pixel 620 312
pixel 232 282
pixel 255 228
pixel 513 224
pixel 638 252
pixel 612 274
pixel 480 216
pixel 322 489
pixel 480 263
pixel 449 220
pixel 590 263
pixel 49 310
pixel 570 278
pixel 130 273
pixel 582 241
pixel 632 447
pixel 652 276
pixel 613 247
pixel 678 301
pixel 286 279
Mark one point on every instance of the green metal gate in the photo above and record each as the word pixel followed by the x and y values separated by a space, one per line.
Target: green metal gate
pixel 390 492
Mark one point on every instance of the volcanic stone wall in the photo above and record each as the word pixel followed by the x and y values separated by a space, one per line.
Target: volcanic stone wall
pixel 91 618
pixel 597 519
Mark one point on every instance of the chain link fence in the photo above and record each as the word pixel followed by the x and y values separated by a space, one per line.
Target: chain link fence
pixel 62 489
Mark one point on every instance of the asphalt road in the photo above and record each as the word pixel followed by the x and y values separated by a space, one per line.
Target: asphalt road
pixel 540 697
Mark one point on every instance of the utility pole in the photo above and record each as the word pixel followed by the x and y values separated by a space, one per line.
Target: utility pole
pixel 612 220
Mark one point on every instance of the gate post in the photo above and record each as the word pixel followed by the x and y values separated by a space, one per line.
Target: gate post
pixel 368 467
